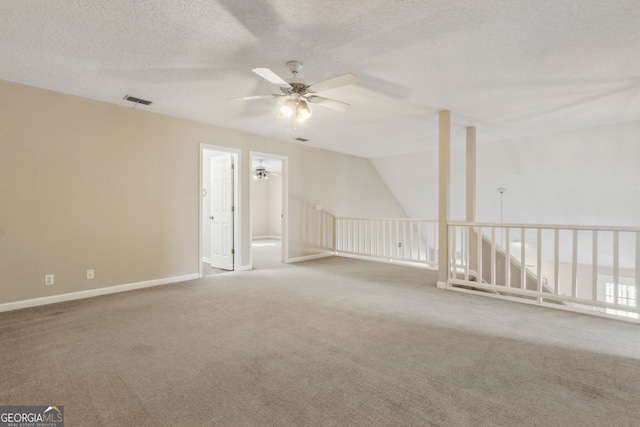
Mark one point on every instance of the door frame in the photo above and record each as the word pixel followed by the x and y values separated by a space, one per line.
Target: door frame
pixel 237 237
pixel 285 204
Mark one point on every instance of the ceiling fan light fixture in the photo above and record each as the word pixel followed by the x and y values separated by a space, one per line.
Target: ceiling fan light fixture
pixel 260 173
pixel 303 112
pixel 288 108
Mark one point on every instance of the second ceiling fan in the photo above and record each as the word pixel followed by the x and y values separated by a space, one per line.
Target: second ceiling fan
pixel 300 94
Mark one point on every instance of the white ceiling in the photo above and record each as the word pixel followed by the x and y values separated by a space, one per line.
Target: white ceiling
pixel 510 67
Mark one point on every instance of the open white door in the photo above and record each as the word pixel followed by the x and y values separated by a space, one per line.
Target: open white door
pixel 221 217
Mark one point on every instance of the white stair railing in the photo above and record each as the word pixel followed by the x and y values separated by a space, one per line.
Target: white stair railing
pixel 413 241
pixel 579 268
pixel 595 270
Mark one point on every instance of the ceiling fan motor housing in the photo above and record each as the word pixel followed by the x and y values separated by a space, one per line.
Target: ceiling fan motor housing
pixel 296 88
pixel 294 66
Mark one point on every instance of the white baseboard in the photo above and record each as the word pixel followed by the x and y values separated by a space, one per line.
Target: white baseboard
pixel 266 237
pixel 309 257
pixel 206 260
pixel 17 305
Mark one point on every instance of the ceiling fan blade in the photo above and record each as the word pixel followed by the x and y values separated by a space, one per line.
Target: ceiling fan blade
pixel 329 103
pixel 275 95
pixel 272 77
pixel 334 82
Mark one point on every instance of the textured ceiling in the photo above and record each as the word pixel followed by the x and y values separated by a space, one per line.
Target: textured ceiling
pixel 511 67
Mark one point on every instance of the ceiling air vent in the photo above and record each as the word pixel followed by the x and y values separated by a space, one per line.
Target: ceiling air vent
pixel 302 139
pixel 136 100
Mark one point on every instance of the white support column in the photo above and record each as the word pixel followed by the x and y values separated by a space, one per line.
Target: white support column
pixel 471 174
pixel 444 143
pixel 471 198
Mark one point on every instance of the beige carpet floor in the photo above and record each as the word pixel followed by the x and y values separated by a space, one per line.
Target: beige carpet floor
pixel 331 342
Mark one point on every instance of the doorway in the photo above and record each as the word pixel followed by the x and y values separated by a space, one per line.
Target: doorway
pixel 219 198
pixel 268 210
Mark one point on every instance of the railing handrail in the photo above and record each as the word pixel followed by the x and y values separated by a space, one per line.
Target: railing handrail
pixel 507 225
pixel 385 219
pixel 545 226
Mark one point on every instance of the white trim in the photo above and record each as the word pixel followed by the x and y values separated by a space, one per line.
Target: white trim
pixel 17 305
pixel 285 209
pixel 387 219
pixel 543 226
pixel 309 257
pixel 206 260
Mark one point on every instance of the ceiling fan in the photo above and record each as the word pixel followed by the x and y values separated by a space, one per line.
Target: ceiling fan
pixel 261 172
pixel 300 94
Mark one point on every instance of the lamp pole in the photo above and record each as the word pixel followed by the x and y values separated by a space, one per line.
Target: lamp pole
pixel 501 190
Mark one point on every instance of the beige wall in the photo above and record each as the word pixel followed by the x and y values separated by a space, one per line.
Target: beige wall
pixel 260 207
pixel 266 207
pixel 85 184
pixel 275 206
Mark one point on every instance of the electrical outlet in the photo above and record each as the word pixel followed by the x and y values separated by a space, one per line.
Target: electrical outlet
pixel 48 279
pixel 90 274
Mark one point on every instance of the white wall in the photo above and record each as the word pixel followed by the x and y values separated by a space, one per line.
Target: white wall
pixel 260 208
pixel 585 177
pixel 413 179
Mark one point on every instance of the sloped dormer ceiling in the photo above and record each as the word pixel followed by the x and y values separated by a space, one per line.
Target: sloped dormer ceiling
pixel 512 68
